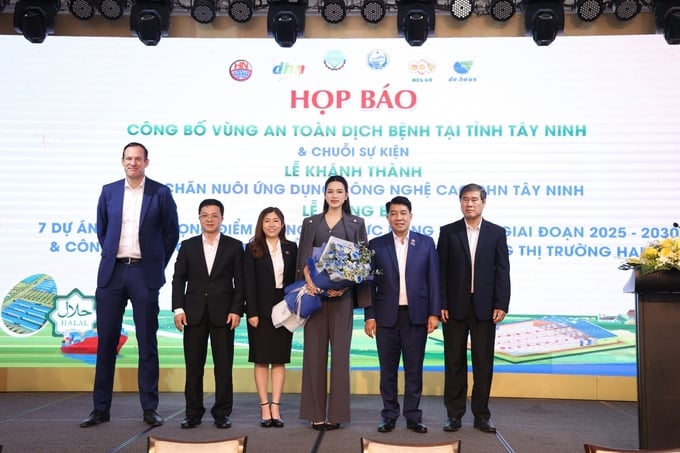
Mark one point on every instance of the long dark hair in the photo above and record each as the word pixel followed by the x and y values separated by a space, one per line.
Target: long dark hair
pixel 258 243
pixel 345 205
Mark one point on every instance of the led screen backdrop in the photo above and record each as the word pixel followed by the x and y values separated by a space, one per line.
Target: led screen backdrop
pixel 576 143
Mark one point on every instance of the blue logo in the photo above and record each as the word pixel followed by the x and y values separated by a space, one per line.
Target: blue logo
pixel 334 60
pixel 377 59
pixel 462 67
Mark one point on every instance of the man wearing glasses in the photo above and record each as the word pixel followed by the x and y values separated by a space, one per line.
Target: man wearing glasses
pixel 207 301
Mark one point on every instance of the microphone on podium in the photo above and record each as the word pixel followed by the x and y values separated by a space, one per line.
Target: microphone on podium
pixel 675 224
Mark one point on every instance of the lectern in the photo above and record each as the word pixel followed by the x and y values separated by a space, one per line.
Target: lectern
pixel 657 308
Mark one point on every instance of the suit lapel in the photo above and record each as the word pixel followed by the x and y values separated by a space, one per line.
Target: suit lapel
pixel 465 244
pixel 146 200
pixel 221 244
pixel 392 252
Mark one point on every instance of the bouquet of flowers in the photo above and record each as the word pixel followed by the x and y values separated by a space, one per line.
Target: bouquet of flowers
pixel 340 263
pixel 661 255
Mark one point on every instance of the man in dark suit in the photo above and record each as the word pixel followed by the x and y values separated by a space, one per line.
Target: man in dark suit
pixel 207 300
pixel 475 274
pixel 137 228
pixel 404 311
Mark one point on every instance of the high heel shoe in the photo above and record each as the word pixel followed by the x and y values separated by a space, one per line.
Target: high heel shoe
pixel 266 422
pixel 277 422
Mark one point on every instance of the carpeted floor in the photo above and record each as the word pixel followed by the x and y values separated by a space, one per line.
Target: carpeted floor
pixel 49 422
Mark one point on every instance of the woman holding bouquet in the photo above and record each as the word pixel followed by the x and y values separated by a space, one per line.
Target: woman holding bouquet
pixel 333 323
pixel 269 265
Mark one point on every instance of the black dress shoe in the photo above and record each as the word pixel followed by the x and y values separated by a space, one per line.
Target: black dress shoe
pixel 485 426
pixel 223 422
pixel 331 426
pixel 190 422
pixel 95 418
pixel 266 423
pixel 386 425
pixel 452 424
pixel 152 418
pixel 416 426
pixel 318 426
pixel 276 422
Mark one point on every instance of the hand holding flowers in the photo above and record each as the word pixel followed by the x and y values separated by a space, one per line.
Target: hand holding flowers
pixel 340 264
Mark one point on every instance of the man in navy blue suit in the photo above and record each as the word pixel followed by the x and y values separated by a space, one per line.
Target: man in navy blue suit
pixel 475 274
pixel 138 230
pixel 405 309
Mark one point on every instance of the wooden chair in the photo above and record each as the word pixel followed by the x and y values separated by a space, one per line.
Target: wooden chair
pixel 590 448
pixel 375 446
pixel 232 445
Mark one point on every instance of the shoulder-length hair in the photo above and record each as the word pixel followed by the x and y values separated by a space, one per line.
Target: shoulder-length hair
pixel 258 243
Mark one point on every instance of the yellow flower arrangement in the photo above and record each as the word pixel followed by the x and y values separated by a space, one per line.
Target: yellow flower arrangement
pixel 661 255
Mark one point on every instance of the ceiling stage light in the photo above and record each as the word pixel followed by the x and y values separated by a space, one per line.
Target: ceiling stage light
pixel 544 20
pixel 502 10
pixel 415 21
pixel 333 11
pixel 203 11
pixel 35 19
pixel 150 20
pixel 667 18
pixel 373 11
pixel 241 11
pixel 461 9
pixel 589 10
pixel 112 9
pixel 82 9
pixel 626 9
pixel 286 21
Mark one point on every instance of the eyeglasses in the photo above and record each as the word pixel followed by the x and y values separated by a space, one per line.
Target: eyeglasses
pixel 209 216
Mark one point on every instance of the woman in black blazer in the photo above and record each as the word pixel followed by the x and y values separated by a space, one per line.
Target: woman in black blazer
pixel 269 266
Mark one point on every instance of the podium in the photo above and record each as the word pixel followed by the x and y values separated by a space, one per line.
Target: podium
pixel 657 308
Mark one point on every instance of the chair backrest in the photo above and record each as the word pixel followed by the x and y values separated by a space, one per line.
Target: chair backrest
pixel 590 448
pixel 374 446
pixel 233 445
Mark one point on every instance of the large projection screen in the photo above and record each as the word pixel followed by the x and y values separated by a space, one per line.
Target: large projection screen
pixel 576 143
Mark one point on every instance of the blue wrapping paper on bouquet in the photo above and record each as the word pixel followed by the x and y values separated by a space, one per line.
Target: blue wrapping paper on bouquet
pixel 296 294
pixel 339 264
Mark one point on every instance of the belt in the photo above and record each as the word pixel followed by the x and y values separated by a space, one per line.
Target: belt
pixel 128 260
pixel 403 307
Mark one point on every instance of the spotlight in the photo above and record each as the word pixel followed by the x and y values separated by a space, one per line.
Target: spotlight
pixel 82 9
pixel 203 11
pixel 667 15
pixel 415 21
pixel 589 10
pixel 241 11
pixel 333 11
pixel 35 19
pixel 461 9
pixel 626 9
pixel 544 19
pixel 502 10
pixel 286 21
pixel 112 9
pixel 150 20
pixel 373 11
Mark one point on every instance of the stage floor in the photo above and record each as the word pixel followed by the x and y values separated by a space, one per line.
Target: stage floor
pixel 49 422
